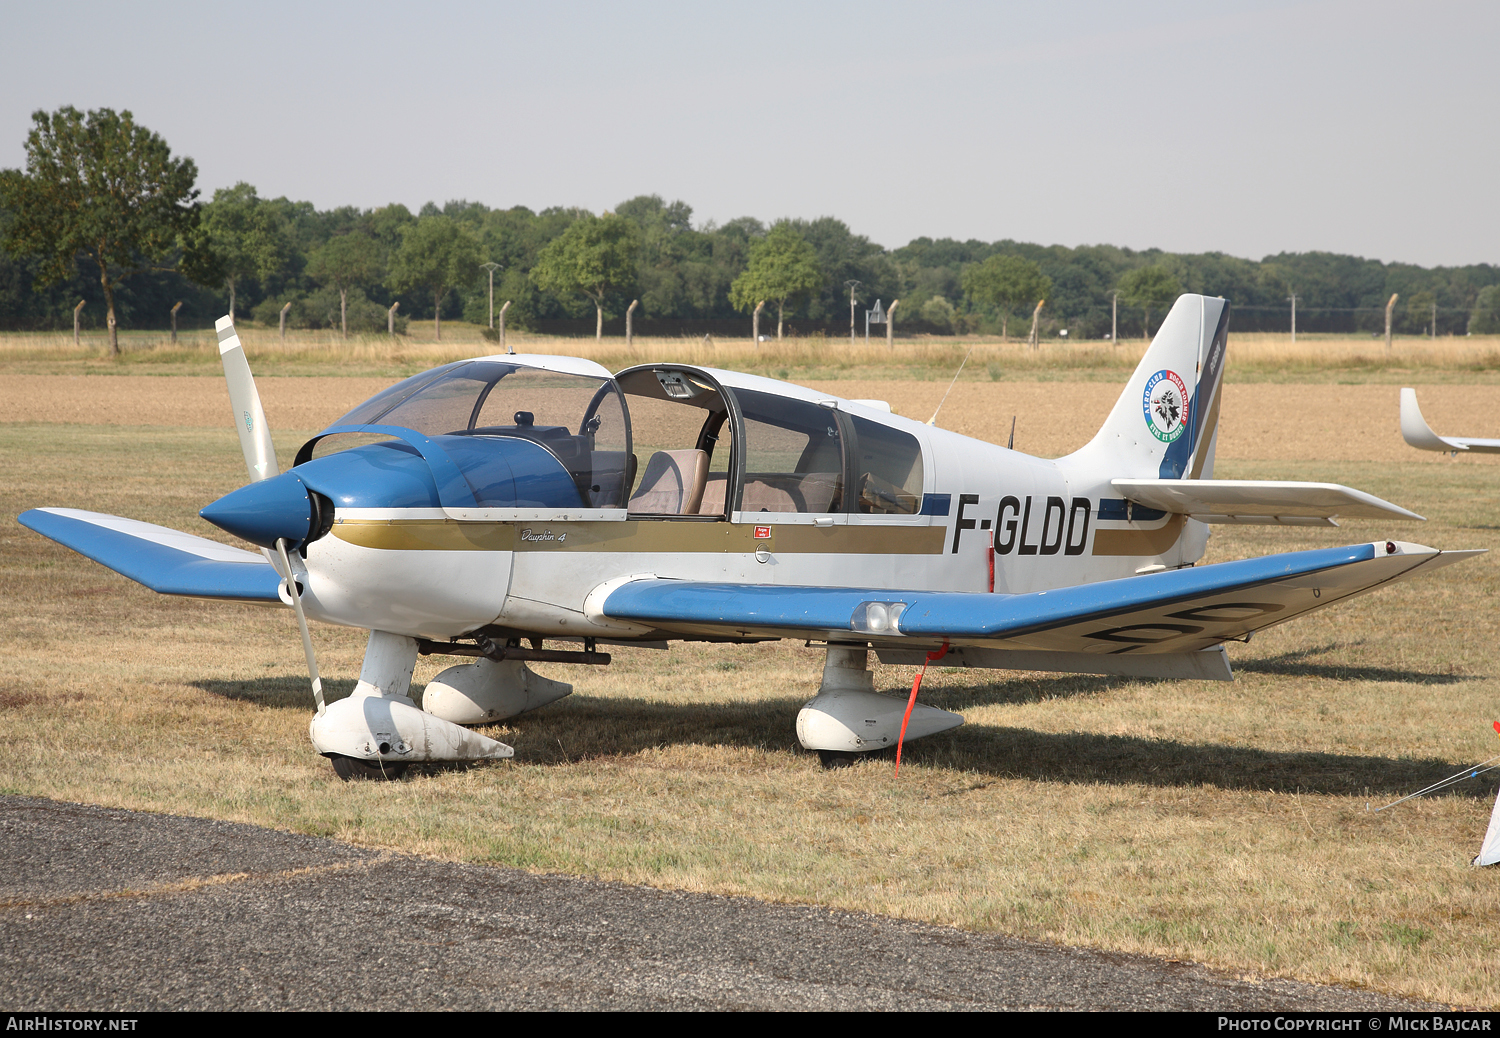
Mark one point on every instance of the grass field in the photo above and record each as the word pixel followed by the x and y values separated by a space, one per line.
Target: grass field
pixel 1228 824
pixel 1253 357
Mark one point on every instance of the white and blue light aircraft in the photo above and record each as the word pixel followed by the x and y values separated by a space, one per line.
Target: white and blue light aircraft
pixel 1417 433
pixel 514 509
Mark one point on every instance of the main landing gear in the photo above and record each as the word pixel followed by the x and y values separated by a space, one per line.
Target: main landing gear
pixel 848 719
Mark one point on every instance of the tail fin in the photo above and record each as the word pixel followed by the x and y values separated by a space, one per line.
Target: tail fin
pixel 1165 423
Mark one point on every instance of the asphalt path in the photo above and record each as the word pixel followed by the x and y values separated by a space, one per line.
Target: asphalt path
pixel 110 910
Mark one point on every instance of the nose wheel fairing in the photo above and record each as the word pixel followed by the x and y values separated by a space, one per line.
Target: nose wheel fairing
pixel 380 722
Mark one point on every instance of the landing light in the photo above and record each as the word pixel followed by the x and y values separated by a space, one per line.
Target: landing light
pixel 877 617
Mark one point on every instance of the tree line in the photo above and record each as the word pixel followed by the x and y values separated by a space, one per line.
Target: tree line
pixel 103 213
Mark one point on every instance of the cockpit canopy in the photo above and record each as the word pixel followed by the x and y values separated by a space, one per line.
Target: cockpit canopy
pixel 562 433
pixel 547 418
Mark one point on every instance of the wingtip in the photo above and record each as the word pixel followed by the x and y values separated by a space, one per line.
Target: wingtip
pixel 1415 430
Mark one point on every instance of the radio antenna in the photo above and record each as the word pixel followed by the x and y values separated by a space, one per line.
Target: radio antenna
pixel 957 373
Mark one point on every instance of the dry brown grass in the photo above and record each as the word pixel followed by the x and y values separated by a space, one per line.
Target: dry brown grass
pixel 1259 421
pixel 1253 356
pixel 1225 824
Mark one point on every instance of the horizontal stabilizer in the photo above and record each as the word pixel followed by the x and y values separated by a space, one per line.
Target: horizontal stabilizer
pixel 1416 431
pixel 1177 611
pixel 166 561
pixel 1258 501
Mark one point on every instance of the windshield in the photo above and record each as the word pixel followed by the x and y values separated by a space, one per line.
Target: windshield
pixel 578 419
pixel 487 396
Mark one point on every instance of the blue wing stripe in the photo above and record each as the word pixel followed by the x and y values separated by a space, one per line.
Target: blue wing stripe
pixel 162 569
pixel 956 614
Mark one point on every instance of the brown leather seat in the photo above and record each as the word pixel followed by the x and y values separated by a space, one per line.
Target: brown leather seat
pixel 673 483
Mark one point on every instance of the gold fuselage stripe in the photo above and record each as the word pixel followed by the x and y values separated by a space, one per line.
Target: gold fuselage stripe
pixel 637 535
pixel 1139 542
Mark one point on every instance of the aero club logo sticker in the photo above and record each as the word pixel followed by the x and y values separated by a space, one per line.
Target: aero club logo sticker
pixel 1166 405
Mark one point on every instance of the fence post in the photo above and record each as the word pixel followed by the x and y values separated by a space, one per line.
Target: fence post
pixel 174 321
pixel 890 324
pixel 1035 317
pixel 755 325
pixel 629 323
pixel 390 318
pixel 502 327
pixel 284 311
pixel 76 311
pixel 1388 308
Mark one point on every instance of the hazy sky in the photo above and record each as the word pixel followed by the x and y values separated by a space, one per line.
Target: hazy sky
pixel 1248 127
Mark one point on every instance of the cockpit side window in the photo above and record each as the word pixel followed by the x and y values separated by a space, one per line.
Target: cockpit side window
pixel 887 469
pixel 794 455
pixel 680 440
pixel 580 420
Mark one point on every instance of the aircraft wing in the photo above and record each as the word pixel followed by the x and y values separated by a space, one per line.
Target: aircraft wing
pixel 1177 611
pixel 1416 432
pixel 1258 501
pixel 166 561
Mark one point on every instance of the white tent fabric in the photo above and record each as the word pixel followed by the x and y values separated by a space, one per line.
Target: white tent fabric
pixel 1489 852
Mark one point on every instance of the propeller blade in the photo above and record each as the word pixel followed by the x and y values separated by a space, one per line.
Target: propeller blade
pixel 249 417
pixel 312 660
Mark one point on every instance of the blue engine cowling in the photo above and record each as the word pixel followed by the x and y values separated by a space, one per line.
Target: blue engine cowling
pixel 497 472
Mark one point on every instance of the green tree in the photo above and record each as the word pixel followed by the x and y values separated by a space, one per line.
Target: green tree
pixel 437 253
pixel 1006 282
pixel 1419 311
pixel 346 261
pixel 1485 319
pixel 100 187
pixel 844 256
pixel 783 266
pixel 937 312
pixel 593 256
pixel 675 272
pixel 1150 288
pixel 249 237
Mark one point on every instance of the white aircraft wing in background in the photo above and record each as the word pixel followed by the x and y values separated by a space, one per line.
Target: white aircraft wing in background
pixel 1416 431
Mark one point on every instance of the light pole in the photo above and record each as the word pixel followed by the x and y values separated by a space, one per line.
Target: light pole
pixel 492 267
pixel 851 286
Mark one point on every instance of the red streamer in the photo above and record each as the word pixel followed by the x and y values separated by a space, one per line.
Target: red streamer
pixel 911 702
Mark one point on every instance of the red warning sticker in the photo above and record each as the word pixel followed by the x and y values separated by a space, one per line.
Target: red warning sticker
pixel 762 532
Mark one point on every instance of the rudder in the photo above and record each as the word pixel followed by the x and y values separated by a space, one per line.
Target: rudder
pixel 1165 423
